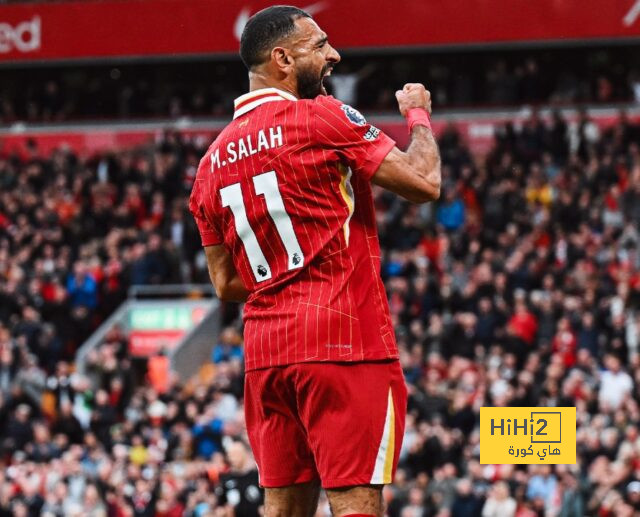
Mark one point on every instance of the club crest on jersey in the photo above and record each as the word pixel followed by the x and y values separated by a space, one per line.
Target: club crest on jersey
pixel 353 115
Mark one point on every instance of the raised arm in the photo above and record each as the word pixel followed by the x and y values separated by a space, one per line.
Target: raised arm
pixel 415 173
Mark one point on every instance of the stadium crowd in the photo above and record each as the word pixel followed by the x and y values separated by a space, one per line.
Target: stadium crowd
pixel 207 88
pixel 521 286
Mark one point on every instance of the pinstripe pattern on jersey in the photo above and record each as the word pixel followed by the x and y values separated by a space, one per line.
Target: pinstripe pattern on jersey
pixel 334 307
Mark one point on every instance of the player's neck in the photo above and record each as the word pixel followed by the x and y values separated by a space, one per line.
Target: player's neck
pixel 258 81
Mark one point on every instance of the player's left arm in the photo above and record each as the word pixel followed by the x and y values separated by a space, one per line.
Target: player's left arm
pixel 228 284
pixel 223 274
pixel 415 174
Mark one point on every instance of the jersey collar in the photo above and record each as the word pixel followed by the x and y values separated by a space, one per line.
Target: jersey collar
pixel 255 98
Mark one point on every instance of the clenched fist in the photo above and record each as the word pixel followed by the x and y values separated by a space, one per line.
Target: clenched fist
pixel 413 95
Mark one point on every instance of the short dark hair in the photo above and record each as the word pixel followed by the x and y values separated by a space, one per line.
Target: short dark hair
pixel 265 29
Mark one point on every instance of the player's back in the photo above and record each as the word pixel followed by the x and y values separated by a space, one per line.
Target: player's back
pixel 277 189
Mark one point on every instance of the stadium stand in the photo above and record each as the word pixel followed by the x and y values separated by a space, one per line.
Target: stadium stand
pixel 520 287
pixel 601 75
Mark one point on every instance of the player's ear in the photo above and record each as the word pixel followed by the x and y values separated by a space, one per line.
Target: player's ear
pixel 281 57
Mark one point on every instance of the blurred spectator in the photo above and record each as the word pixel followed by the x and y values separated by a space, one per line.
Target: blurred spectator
pixel 499 503
pixel 588 335
pixel 615 384
pixel 564 343
pixel 523 327
pixel 228 346
pixel 542 485
pixel 501 84
pixel 158 372
pixel 451 213
pixel 572 498
pixel 82 288
pixel 239 488
pixel 466 503
pixel 344 82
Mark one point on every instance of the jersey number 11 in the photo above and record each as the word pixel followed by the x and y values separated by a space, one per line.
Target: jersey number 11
pixel 266 185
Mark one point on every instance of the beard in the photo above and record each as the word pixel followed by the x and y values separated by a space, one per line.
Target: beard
pixel 310 83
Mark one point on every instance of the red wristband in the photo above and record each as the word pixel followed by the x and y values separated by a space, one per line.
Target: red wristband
pixel 419 117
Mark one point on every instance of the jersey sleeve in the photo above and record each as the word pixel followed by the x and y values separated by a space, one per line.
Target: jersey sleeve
pixel 342 128
pixel 209 235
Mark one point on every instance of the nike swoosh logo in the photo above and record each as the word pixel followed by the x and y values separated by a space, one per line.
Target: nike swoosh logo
pixel 245 14
pixel 631 17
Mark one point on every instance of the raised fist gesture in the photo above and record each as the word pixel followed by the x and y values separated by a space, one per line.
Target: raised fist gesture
pixel 413 95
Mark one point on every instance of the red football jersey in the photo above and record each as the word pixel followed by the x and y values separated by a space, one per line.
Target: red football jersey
pixel 285 187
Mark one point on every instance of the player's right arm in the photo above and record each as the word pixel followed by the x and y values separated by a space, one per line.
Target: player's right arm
pixel 228 284
pixel 415 173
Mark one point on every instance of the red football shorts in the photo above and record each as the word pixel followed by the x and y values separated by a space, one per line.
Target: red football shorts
pixel 340 422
